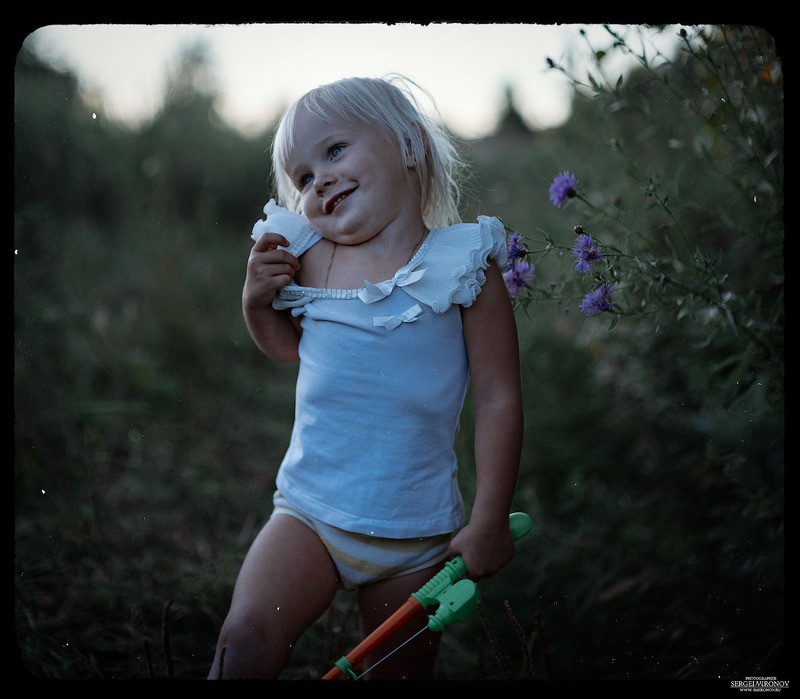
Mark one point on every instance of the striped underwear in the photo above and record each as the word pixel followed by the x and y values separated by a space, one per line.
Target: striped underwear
pixel 362 559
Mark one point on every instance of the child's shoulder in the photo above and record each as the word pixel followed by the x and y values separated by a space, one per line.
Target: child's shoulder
pixel 485 239
pixel 453 267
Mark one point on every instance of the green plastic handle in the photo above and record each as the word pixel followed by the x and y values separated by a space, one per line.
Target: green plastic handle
pixel 519 524
pixel 456 603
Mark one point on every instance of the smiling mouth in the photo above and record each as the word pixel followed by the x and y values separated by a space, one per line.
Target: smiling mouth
pixel 333 203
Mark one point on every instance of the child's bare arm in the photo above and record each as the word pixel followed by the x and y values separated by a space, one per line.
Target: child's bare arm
pixel 490 332
pixel 269 268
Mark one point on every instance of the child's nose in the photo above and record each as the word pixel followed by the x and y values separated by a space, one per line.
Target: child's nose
pixel 323 182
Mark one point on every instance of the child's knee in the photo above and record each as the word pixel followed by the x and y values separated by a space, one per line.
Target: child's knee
pixel 250 647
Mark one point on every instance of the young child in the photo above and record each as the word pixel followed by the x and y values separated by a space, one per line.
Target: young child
pixel 392 308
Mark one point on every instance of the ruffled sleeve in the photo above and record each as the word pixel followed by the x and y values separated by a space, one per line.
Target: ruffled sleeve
pixel 294 227
pixel 451 266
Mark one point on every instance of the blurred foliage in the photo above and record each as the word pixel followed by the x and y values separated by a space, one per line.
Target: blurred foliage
pixel 148 428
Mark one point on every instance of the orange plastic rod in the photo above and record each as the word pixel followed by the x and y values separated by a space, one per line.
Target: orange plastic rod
pixel 403 615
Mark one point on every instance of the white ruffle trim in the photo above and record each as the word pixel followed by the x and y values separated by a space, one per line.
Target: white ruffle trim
pixel 454 265
pixel 294 227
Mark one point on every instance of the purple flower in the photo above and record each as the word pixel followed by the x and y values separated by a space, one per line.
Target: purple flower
pixel 516 249
pixel 563 188
pixel 517 277
pixel 598 300
pixel 586 251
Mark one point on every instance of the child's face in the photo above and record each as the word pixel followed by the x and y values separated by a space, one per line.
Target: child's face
pixel 352 181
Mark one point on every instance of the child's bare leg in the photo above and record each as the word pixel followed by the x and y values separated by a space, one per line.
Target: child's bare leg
pixel 286 583
pixel 377 602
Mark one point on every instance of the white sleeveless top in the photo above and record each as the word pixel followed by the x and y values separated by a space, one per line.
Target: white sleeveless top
pixel 381 384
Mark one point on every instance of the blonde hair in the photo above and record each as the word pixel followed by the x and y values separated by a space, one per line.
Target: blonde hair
pixel 380 103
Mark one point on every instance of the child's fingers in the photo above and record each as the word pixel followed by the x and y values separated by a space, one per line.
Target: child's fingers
pixel 268 257
pixel 270 241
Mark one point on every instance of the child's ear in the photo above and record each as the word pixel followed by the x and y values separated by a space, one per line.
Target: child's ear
pixel 411 161
pixel 411 154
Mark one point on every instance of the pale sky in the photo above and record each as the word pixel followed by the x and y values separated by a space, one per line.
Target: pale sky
pixel 261 68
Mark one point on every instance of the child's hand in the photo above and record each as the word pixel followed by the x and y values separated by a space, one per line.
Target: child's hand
pixel 269 268
pixel 485 549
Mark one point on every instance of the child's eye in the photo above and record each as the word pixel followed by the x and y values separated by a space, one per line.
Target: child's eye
pixel 336 150
pixel 304 180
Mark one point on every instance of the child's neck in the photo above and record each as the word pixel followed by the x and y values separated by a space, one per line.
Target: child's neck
pixel 376 260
